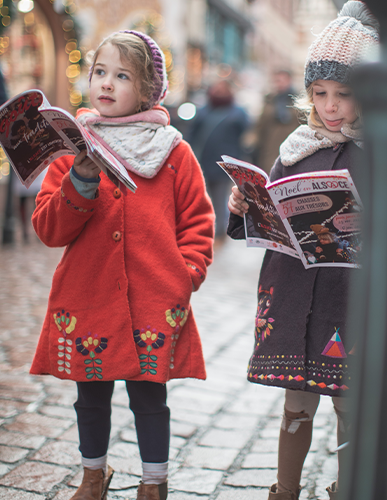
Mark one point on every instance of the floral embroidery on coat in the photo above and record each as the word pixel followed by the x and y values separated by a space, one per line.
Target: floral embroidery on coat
pixel 150 339
pixel 91 345
pixel 66 325
pixel 176 317
pixel 263 324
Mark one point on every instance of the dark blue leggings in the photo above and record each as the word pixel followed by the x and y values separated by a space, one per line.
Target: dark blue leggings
pixel 151 414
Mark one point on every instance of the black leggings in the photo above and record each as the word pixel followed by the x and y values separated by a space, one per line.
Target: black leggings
pixel 151 414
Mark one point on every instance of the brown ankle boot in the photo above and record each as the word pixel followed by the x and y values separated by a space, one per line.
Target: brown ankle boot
pixel 333 491
pixel 94 485
pixel 152 491
pixel 284 495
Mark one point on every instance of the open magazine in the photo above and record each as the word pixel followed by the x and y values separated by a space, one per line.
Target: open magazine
pixel 315 217
pixel 33 134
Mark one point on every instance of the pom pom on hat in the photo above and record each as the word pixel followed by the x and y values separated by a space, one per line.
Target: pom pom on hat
pixel 161 81
pixel 342 44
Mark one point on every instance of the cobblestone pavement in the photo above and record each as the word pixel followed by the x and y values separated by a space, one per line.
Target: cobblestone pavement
pixel 224 430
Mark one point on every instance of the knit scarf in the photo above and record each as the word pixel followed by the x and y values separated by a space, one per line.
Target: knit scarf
pixel 141 142
pixel 307 139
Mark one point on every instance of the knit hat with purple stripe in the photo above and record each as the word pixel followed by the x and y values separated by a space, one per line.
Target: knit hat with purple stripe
pixel 161 81
pixel 342 45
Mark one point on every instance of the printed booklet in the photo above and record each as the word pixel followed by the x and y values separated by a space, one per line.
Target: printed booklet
pixel 315 217
pixel 33 134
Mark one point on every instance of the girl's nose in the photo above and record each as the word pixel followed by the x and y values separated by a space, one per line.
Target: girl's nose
pixel 331 106
pixel 107 84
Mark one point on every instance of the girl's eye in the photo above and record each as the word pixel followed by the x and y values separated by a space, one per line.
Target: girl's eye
pixel 122 76
pixel 346 94
pixel 99 72
pixel 319 93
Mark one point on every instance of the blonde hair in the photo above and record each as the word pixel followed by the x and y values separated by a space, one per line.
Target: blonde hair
pixel 137 54
pixel 304 104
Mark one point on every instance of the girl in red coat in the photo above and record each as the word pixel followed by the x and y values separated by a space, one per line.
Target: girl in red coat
pixel 119 308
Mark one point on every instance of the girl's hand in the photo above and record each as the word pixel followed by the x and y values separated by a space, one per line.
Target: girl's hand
pixel 236 203
pixel 85 167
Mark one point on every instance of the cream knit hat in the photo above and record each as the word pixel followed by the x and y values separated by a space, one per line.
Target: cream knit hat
pixel 342 44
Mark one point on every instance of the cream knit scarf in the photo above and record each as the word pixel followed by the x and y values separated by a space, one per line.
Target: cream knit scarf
pixel 141 142
pixel 307 139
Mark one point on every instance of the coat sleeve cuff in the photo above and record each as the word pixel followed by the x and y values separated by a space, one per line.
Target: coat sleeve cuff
pixel 197 275
pixel 75 201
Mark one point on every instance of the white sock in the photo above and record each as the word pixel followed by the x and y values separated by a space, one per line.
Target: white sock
pixel 154 473
pixel 95 463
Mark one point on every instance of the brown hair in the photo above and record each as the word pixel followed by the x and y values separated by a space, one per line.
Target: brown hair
pixel 137 53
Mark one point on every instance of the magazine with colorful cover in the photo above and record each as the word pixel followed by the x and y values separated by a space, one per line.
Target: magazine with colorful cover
pixel 320 213
pixel 33 134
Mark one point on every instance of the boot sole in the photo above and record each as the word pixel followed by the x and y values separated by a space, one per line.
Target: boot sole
pixel 108 481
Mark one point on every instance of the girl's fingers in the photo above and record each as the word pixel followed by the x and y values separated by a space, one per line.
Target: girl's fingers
pixel 236 205
pixel 79 158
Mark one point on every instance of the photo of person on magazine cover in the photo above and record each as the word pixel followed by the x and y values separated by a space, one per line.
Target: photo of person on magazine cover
pixel 331 235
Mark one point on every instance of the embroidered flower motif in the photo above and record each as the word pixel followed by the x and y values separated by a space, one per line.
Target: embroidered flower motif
pixel 176 316
pixel 66 325
pixel 150 339
pixel 263 324
pixel 90 345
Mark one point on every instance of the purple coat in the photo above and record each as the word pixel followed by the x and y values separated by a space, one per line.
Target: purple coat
pixel 300 327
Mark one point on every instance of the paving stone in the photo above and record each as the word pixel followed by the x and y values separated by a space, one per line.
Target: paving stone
pixel 11 408
pixel 59 411
pixel 243 494
pixel 182 429
pixel 128 456
pixel 211 458
pixel 10 454
pixel 35 477
pixel 225 438
pixel 35 424
pixel 8 494
pixel 199 481
pixel 260 460
pixel 59 452
pixel 70 435
pixel 265 445
pixel 252 477
pixel 21 440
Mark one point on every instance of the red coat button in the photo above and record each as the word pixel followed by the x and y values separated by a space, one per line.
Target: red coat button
pixel 117 193
pixel 117 235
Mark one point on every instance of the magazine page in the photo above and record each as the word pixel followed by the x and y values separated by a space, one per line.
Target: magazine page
pixel 27 138
pixel 108 163
pixel 322 213
pixel 263 225
pixel 79 138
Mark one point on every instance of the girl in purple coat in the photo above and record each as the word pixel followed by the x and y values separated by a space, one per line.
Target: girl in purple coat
pixel 300 335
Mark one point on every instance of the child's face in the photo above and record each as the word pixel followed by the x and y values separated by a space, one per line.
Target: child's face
pixel 334 103
pixel 113 86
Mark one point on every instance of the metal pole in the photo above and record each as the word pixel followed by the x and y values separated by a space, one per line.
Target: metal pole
pixel 365 476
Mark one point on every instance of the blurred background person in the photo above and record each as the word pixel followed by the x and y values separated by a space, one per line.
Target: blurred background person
pixel 217 130
pixel 277 120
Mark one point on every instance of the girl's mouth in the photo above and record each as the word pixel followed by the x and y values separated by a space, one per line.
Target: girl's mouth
pixel 333 123
pixel 105 98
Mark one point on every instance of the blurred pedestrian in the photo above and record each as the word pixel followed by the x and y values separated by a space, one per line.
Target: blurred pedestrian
pixel 26 202
pixel 119 307
pixel 301 342
pixel 278 119
pixel 217 130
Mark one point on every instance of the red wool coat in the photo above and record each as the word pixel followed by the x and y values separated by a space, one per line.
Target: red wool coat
pixel 119 306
